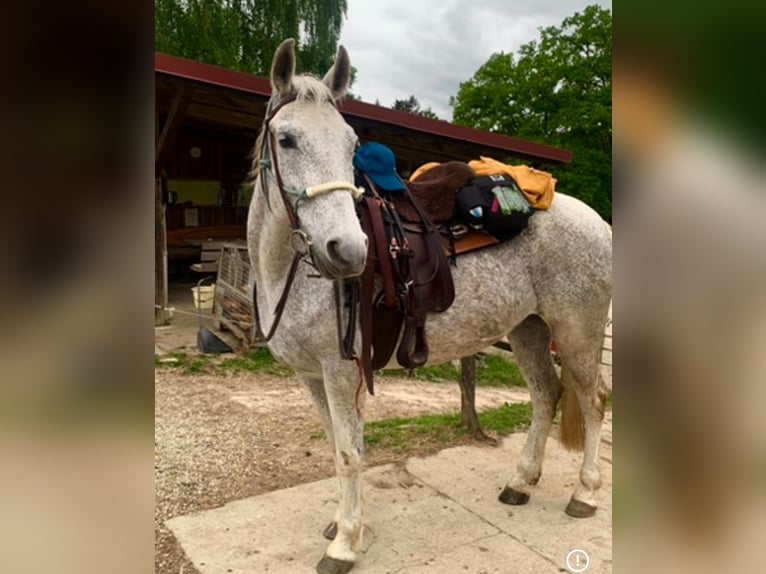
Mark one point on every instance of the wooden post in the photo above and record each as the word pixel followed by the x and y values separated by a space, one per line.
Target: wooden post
pixel 175 118
pixel 160 285
pixel 160 258
pixel 163 143
pixel 469 418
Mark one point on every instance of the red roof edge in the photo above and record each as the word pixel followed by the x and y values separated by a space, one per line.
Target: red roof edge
pixel 206 73
pixel 454 131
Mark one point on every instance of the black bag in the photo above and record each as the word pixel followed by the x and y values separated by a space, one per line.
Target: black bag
pixel 494 204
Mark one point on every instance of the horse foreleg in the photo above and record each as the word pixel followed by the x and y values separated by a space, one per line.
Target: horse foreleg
pixel 341 379
pixel 531 342
pixel 318 394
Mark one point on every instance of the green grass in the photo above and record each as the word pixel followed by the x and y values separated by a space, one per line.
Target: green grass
pixel 434 373
pixel 497 371
pixel 507 419
pixel 258 361
pixel 192 365
pixel 407 433
pixel 491 371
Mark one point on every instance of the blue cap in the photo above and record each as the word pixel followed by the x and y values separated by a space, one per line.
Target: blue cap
pixel 379 163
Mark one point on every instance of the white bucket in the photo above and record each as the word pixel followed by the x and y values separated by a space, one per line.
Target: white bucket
pixel 204 296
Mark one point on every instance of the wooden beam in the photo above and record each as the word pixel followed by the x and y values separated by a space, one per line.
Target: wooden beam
pixel 175 117
pixel 160 258
pixel 226 117
pixel 160 244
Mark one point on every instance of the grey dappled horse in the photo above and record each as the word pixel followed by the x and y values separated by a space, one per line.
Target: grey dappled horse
pixel 553 280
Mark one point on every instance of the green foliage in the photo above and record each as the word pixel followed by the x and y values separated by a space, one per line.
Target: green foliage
pixel 243 34
pixel 406 433
pixel 557 90
pixel 412 105
pixel 491 371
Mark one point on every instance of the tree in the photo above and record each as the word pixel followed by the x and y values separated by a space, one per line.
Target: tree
pixel 243 34
pixel 412 105
pixel 558 91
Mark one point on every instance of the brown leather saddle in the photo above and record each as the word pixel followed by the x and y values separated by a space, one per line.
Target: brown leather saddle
pixel 408 271
pixel 435 193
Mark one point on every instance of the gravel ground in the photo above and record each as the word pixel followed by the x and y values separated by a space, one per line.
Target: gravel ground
pixel 210 450
pixel 219 439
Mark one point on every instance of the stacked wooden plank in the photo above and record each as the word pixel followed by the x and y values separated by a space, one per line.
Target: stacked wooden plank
pixel 233 303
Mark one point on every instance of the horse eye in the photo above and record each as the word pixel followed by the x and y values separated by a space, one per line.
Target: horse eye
pixel 286 141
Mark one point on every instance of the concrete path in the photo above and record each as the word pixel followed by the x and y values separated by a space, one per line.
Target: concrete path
pixel 436 515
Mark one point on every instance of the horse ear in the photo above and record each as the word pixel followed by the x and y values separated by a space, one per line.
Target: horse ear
pixel 338 77
pixel 283 67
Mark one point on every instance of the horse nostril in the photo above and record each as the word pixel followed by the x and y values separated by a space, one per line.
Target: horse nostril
pixel 346 250
pixel 333 249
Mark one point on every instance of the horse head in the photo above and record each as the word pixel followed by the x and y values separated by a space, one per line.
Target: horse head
pixel 303 158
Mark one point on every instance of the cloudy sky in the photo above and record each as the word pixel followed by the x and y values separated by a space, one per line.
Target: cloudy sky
pixel 428 47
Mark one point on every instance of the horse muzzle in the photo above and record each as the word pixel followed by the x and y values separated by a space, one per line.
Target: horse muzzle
pixel 343 255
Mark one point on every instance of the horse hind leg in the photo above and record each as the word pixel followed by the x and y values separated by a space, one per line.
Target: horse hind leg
pixel 531 343
pixel 583 411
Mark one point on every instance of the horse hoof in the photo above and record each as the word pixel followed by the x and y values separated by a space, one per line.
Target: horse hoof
pixel 579 509
pixel 330 531
pixel 329 565
pixel 514 497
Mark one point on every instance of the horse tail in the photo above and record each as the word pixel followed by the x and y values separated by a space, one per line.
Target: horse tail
pixel 572 435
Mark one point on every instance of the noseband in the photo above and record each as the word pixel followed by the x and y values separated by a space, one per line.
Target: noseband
pixel 300 242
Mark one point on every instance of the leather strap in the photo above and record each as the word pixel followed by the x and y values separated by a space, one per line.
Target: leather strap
pixel 346 295
pixel 380 238
pixel 258 335
pixel 368 292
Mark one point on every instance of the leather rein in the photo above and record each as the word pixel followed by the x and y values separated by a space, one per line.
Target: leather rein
pixel 299 240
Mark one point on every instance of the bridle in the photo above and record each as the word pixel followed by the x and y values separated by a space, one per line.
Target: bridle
pixel 300 242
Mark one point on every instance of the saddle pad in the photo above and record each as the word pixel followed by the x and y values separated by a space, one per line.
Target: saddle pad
pixel 473 241
pixel 434 192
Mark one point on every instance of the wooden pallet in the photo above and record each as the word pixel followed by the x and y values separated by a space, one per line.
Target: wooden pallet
pixel 233 306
